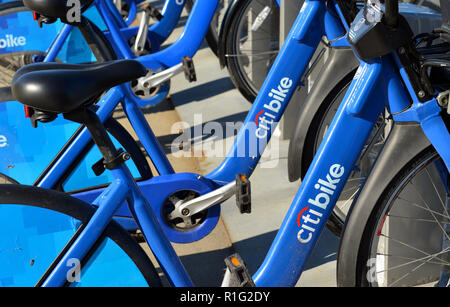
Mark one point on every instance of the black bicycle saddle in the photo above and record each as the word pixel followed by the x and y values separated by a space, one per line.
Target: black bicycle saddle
pixel 62 88
pixel 53 8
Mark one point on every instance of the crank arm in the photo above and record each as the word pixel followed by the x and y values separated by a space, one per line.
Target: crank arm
pixel 185 209
pixel 141 37
pixel 154 80
pixel 161 77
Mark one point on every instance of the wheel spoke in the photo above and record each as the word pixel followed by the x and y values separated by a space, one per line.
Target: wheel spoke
pixel 444 232
pixel 442 262
pixel 423 208
pixel 419 266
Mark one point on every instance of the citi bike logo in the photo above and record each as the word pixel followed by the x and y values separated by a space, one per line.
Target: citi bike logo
pixel 265 119
pixel 12 41
pixel 310 216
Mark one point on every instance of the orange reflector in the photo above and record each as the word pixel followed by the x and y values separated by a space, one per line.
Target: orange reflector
pixel 235 262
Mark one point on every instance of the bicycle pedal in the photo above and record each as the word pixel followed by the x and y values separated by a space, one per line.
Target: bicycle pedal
pixel 243 194
pixel 189 69
pixel 239 274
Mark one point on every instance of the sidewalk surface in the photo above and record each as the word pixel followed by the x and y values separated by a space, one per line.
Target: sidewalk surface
pixel 213 98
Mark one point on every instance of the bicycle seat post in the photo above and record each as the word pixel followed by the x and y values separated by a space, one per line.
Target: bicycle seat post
pixel 391 15
pixel 111 156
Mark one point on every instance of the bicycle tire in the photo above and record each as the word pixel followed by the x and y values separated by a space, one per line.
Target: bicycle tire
pixel 74 213
pixel 426 3
pixel 233 55
pixel 402 230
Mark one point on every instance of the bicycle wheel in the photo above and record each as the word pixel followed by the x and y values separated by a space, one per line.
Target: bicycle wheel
pixel 26 43
pixel 252 44
pixel 406 241
pixel 37 225
pixel 317 130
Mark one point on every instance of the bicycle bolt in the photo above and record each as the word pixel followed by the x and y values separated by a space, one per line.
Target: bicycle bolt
pixel 185 211
pixel 421 94
pixel 126 156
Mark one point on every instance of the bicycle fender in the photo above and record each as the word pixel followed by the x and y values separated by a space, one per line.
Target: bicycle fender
pixel 405 141
pixel 228 17
pixel 340 64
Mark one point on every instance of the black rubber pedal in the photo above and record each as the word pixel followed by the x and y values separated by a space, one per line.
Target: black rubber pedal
pixel 189 69
pixel 240 276
pixel 243 194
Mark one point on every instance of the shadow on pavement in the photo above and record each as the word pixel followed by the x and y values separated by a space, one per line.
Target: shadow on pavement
pixel 207 268
pixel 254 250
pixel 202 91
pixel 207 130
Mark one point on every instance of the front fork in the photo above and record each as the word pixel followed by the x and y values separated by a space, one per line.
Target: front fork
pixel 327 174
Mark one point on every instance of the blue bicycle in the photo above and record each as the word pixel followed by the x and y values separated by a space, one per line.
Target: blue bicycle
pixel 388 71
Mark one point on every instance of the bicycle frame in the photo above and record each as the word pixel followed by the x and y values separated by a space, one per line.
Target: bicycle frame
pixel 186 45
pixel 231 166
